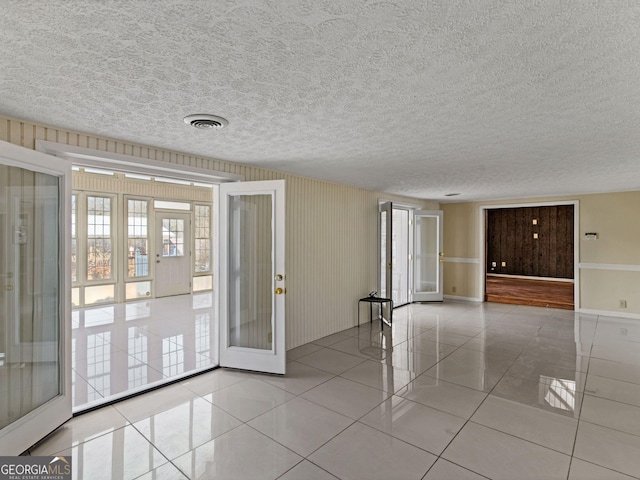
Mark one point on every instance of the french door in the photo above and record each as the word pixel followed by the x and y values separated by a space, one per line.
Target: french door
pixel 410 254
pixel 396 243
pixel 427 268
pixel 35 326
pixel 252 276
pixel 386 250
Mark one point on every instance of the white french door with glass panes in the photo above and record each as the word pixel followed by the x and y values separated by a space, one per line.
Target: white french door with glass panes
pixel 410 254
pixel 427 266
pixel 173 254
pixel 395 248
pixel 35 324
pixel 252 277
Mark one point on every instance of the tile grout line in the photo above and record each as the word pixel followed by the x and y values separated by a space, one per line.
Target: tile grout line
pixel 474 412
pixel 575 437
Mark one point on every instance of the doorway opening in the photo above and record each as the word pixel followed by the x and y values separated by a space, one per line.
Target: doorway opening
pixel 142 282
pixel 130 331
pixel 132 353
pixel 530 254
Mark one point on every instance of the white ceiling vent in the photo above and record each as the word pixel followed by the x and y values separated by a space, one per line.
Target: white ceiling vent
pixel 205 122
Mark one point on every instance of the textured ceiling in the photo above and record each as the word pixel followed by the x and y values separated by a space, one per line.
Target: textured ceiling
pixel 492 99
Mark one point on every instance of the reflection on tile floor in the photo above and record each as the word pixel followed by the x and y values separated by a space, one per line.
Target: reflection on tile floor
pixel 451 391
pixel 120 349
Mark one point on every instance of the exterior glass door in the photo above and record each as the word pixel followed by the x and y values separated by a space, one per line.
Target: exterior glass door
pixel 427 245
pixel 252 279
pixel 35 387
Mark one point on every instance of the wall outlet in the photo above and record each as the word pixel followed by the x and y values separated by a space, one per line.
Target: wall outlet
pixel 623 304
pixel 504 264
pixel 454 289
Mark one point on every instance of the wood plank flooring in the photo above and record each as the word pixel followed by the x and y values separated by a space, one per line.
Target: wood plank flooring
pixel 537 293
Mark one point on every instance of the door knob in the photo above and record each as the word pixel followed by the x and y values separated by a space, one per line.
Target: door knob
pixel 280 291
pixel 157 261
pixel 279 277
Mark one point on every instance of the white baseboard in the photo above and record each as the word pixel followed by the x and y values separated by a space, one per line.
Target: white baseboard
pixel 463 299
pixel 609 313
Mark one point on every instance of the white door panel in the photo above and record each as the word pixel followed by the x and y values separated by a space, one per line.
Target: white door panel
pixel 386 249
pixel 252 276
pixel 35 325
pixel 173 254
pixel 427 267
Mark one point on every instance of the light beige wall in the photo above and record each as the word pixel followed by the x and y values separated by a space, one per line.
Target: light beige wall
pixel 331 231
pixel 610 265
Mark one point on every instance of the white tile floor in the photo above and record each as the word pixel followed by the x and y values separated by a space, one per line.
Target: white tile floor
pixel 120 349
pixel 452 391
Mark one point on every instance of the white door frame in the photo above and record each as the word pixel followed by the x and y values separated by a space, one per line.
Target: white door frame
pixel 24 432
pixel 576 242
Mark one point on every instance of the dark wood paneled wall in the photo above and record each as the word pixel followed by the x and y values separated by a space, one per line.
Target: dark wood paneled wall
pixel 510 239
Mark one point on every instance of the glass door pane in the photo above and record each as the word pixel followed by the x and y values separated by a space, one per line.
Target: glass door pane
pixel 386 244
pixel 32 299
pixel 252 276
pixel 427 267
pixel 400 257
pixel 250 271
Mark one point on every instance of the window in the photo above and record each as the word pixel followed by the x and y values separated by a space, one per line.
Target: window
pixel 138 238
pixel 202 261
pixel 98 238
pixel 172 237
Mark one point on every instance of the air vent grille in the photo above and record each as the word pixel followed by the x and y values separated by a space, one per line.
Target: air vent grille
pixel 206 122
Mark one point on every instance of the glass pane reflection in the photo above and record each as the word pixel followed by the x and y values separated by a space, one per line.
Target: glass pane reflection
pixel 130 347
pixel 29 292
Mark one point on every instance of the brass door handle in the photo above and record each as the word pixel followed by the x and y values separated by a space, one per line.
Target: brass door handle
pixel 280 291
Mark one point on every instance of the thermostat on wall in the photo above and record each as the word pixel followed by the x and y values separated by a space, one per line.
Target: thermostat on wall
pixel 591 236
